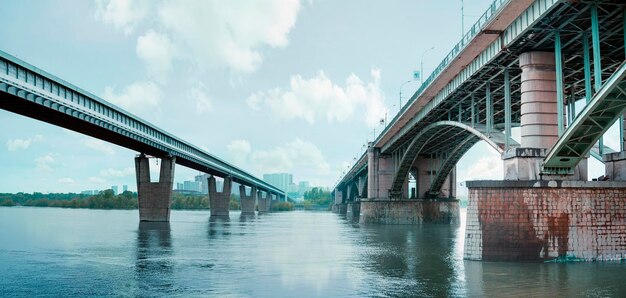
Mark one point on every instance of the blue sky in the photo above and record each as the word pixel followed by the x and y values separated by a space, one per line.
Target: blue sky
pixel 272 86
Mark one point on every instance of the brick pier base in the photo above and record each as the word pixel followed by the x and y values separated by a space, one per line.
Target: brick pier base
pixel 403 212
pixel 538 221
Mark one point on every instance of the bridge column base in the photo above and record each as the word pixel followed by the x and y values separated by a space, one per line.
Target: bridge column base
pixel 353 211
pixel 219 202
pixel 406 212
pixel 341 208
pixel 615 166
pixel 546 220
pixel 261 204
pixel 247 202
pixel 525 164
pixel 154 198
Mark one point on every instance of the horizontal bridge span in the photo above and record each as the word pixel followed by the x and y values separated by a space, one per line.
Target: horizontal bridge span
pixel 34 93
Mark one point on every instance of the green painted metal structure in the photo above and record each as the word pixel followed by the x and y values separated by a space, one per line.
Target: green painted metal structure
pixel 606 106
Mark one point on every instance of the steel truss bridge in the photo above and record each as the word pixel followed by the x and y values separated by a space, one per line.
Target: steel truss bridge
pixel 474 94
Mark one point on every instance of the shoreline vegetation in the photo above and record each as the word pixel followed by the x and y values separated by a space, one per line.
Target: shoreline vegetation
pixel 316 199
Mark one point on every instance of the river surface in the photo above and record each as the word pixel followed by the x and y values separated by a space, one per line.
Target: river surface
pixel 66 252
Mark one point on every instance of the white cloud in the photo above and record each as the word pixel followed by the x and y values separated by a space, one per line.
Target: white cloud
pixel 96 180
pixel 122 14
pixel 99 145
pixel 486 168
pixel 66 180
pixel 157 51
pixel 200 99
pixel 110 172
pixel 238 151
pixel 297 153
pixel 45 162
pixel 318 97
pixel 230 33
pixel 21 144
pixel 139 97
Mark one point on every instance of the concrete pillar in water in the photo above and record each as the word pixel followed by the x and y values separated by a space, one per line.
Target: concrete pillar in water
pixel 154 198
pixel 262 202
pixel 247 201
pixel 219 201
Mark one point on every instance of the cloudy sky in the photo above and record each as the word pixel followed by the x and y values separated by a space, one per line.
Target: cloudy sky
pixel 272 86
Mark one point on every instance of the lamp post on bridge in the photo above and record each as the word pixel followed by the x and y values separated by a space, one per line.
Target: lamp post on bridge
pixel 422 65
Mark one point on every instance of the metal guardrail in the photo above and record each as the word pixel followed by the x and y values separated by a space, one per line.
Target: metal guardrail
pixel 469 35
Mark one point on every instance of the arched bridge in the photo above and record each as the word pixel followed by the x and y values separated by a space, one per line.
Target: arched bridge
pixel 528 64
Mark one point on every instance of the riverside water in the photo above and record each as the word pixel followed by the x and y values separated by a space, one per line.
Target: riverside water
pixel 80 252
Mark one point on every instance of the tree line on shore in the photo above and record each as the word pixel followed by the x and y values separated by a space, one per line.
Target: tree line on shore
pixel 106 199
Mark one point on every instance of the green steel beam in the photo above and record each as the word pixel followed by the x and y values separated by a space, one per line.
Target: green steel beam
pixel 587 68
pixel 472 110
pixel 507 109
pixel 621 118
pixel 595 39
pixel 488 102
pixel 559 82
pixel 597 62
pixel 460 113
pixel 594 120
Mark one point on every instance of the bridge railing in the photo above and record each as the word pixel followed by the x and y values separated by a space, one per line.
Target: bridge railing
pixel 465 40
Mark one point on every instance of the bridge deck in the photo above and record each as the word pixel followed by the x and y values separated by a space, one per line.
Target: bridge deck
pixel 32 92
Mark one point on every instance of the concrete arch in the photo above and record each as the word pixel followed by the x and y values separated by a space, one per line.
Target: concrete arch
pixel 495 139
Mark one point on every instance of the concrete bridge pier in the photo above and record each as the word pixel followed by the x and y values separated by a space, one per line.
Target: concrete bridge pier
pixel 339 206
pixel 248 202
pixel 534 217
pixel 219 201
pixel 382 207
pixel 154 198
pixel 353 208
pixel 261 203
pixel 273 199
pixel 425 170
pixel 539 131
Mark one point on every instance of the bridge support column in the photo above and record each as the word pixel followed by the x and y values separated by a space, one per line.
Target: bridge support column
pixel 546 220
pixel 426 170
pixel 353 210
pixel 219 201
pixel 262 203
pixel 154 198
pixel 247 202
pixel 380 173
pixel 340 201
pixel 539 121
pixel 271 203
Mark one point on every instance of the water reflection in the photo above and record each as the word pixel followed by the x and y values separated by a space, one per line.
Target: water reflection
pixel 413 260
pixel 219 226
pixel 154 263
pixel 246 218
